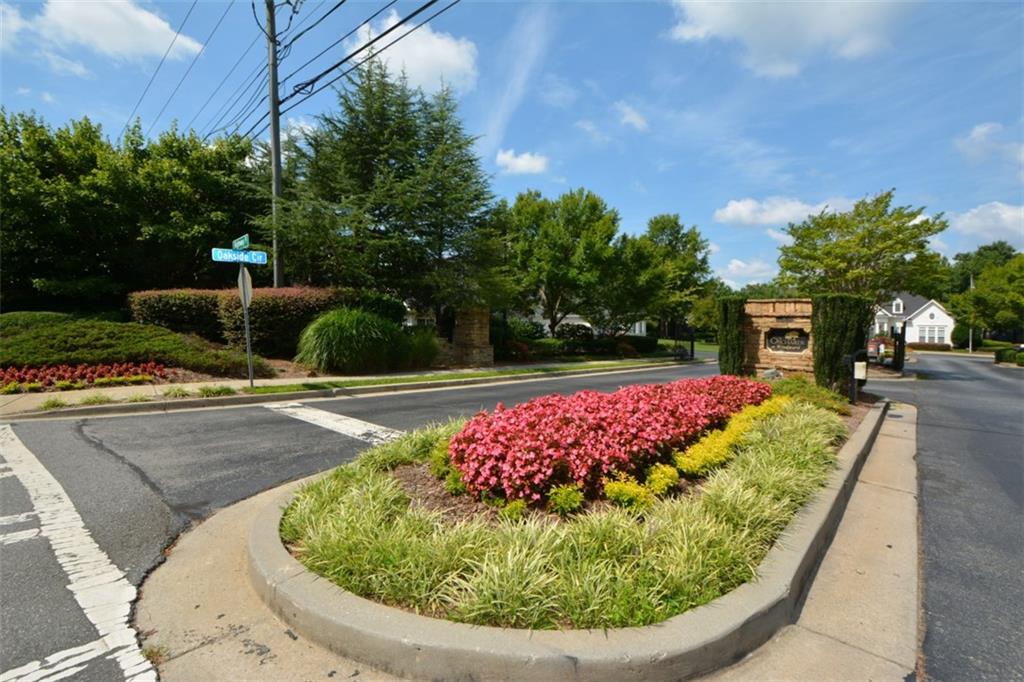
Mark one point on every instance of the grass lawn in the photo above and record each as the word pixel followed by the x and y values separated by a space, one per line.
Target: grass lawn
pixel 445 376
pixel 607 567
pixel 37 339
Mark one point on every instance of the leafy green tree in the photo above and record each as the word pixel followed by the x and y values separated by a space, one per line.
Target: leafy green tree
pixel 772 289
pixel 973 263
pixel 997 300
pixel 682 255
pixel 632 282
pixel 562 247
pixel 703 315
pixel 873 249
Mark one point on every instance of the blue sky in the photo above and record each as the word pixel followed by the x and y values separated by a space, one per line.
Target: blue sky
pixel 739 117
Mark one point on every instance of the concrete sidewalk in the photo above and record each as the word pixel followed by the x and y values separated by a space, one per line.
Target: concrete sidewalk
pixel 200 615
pixel 860 618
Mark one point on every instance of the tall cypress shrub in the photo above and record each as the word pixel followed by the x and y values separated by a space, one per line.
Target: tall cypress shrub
pixel 730 334
pixel 839 325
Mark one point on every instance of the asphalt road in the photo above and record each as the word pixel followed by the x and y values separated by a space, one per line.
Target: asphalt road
pixel 137 482
pixel 971 478
pixel 133 483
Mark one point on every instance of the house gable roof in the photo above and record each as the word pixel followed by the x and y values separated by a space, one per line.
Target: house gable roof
pixel 925 306
pixel 911 303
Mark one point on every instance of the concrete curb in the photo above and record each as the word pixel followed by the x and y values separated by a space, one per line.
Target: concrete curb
pixel 695 642
pixel 157 406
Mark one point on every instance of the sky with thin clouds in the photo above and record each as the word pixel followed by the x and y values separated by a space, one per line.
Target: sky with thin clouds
pixel 740 117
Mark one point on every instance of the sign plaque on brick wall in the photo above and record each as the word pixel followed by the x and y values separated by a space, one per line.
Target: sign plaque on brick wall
pixel 787 340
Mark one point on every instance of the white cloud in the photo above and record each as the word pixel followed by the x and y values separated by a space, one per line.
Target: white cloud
pixel 775 210
pixel 23 91
pixel 591 129
pixel 992 221
pixel 428 57
pixel 630 116
pixel 755 270
pixel 63 65
pixel 986 141
pixel 555 91
pixel 115 28
pixel 521 164
pixel 526 44
pixel 46 97
pixel 713 248
pixel 780 37
pixel 780 237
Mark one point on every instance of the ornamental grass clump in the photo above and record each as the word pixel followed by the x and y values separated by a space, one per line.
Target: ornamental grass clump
pixel 607 567
pixel 585 438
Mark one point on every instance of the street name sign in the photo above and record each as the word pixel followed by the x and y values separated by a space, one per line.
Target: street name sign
pixel 237 256
pixel 241 243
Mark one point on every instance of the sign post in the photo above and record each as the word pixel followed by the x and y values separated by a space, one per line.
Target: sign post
pixel 245 291
pixel 239 253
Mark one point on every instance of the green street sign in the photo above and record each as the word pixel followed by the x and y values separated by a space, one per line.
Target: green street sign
pixel 241 243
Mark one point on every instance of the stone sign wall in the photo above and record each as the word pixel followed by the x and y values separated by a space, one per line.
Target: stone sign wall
pixel 777 335
pixel 471 340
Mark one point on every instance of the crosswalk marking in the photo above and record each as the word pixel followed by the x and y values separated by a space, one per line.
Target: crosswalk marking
pixel 18 536
pixel 100 588
pixel 349 426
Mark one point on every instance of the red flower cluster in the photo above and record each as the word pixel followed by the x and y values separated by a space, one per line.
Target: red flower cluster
pixel 520 453
pixel 47 376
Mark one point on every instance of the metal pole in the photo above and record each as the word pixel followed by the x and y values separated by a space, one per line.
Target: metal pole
pixel 248 335
pixel 970 330
pixel 275 139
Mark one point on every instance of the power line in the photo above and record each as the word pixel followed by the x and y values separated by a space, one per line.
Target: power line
pixel 189 69
pixel 339 40
pixel 233 99
pixel 222 82
pixel 153 77
pixel 310 83
pixel 291 41
pixel 353 67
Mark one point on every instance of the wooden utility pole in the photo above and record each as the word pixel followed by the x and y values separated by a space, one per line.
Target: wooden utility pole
pixel 275 139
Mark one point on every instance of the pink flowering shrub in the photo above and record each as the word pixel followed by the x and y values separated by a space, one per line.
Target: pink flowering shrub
pixel 521 452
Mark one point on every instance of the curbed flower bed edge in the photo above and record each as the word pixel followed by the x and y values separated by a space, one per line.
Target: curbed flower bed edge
pixel 694 642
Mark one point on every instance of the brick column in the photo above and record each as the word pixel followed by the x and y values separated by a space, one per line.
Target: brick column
pixel 471 338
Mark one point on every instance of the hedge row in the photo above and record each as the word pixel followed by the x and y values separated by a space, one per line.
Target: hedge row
pixel 730 334
pixel 605 345
pixel 1009 355
pixel 276 316
pixel 923 345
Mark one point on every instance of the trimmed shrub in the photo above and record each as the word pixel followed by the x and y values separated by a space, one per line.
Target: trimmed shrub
pixel 718 447
pixel 1020 359
pixel 351 341
pixel 962 335
pixel 839 324
pixel 378 303
pixel 642 344
pixel 565 499
pixel 802 389
pixel 661 478
pixel 570 331
pixel 521 329
pixel 189 311
pixel 624 491
pixel 422 347
pixel 276 317
pixel 730 335
pixel 547 348
pixel 513 511
pixel 921 345
pixel 1006 355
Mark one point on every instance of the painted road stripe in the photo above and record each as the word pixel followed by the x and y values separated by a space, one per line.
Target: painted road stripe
pixel 18 536
pixel 356 428
pixel 16 518
pixel 99 587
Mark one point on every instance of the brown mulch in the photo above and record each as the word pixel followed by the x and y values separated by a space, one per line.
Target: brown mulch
pixel 859 410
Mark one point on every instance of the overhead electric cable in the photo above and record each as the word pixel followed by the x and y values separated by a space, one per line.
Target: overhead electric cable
pixel 291 41
pixel 236 95
pixel 155 72
pixel 222 82
pixel 189 69
pixel 352 68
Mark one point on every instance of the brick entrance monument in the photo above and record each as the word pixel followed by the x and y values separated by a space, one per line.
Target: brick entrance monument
pixel 777 335
pixel 471 341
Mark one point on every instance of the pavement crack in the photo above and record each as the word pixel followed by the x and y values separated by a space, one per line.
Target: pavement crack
pixel 858 648
pixel 97 443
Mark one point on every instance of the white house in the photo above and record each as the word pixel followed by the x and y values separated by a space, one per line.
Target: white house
pixel 925 319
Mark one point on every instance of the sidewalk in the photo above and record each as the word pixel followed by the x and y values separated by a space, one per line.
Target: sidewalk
pixel 19 403
pixel 859 621
pixel 860 618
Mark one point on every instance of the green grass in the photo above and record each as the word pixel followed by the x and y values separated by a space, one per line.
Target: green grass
pixel 38 339
pixel 804 389
pixel 176 392
pixel 96 399
pixel 669 344
pixel 53 404
pixel 428 378
pixel 137 398
pixel 604 568
pixel 215 391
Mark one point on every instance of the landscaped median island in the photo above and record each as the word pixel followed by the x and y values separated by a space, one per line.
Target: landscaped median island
pixel 592 510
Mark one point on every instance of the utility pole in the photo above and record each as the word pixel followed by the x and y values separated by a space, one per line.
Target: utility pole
pixel 970 330
pixel 275 139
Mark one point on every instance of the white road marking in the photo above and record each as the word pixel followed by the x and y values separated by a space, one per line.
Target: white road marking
pixel 99 587
pixel 356 428
pixel 16 518
pixel 18 536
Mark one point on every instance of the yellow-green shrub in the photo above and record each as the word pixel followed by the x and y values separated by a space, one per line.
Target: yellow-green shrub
pixel 626 492
pixel 717 448
pixel 661 478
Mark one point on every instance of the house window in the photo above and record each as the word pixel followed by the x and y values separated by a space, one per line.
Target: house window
pixel 897 306
pixel 940 335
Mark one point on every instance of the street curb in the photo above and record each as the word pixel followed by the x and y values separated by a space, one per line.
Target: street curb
pixel 695 642
pixel 159 406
